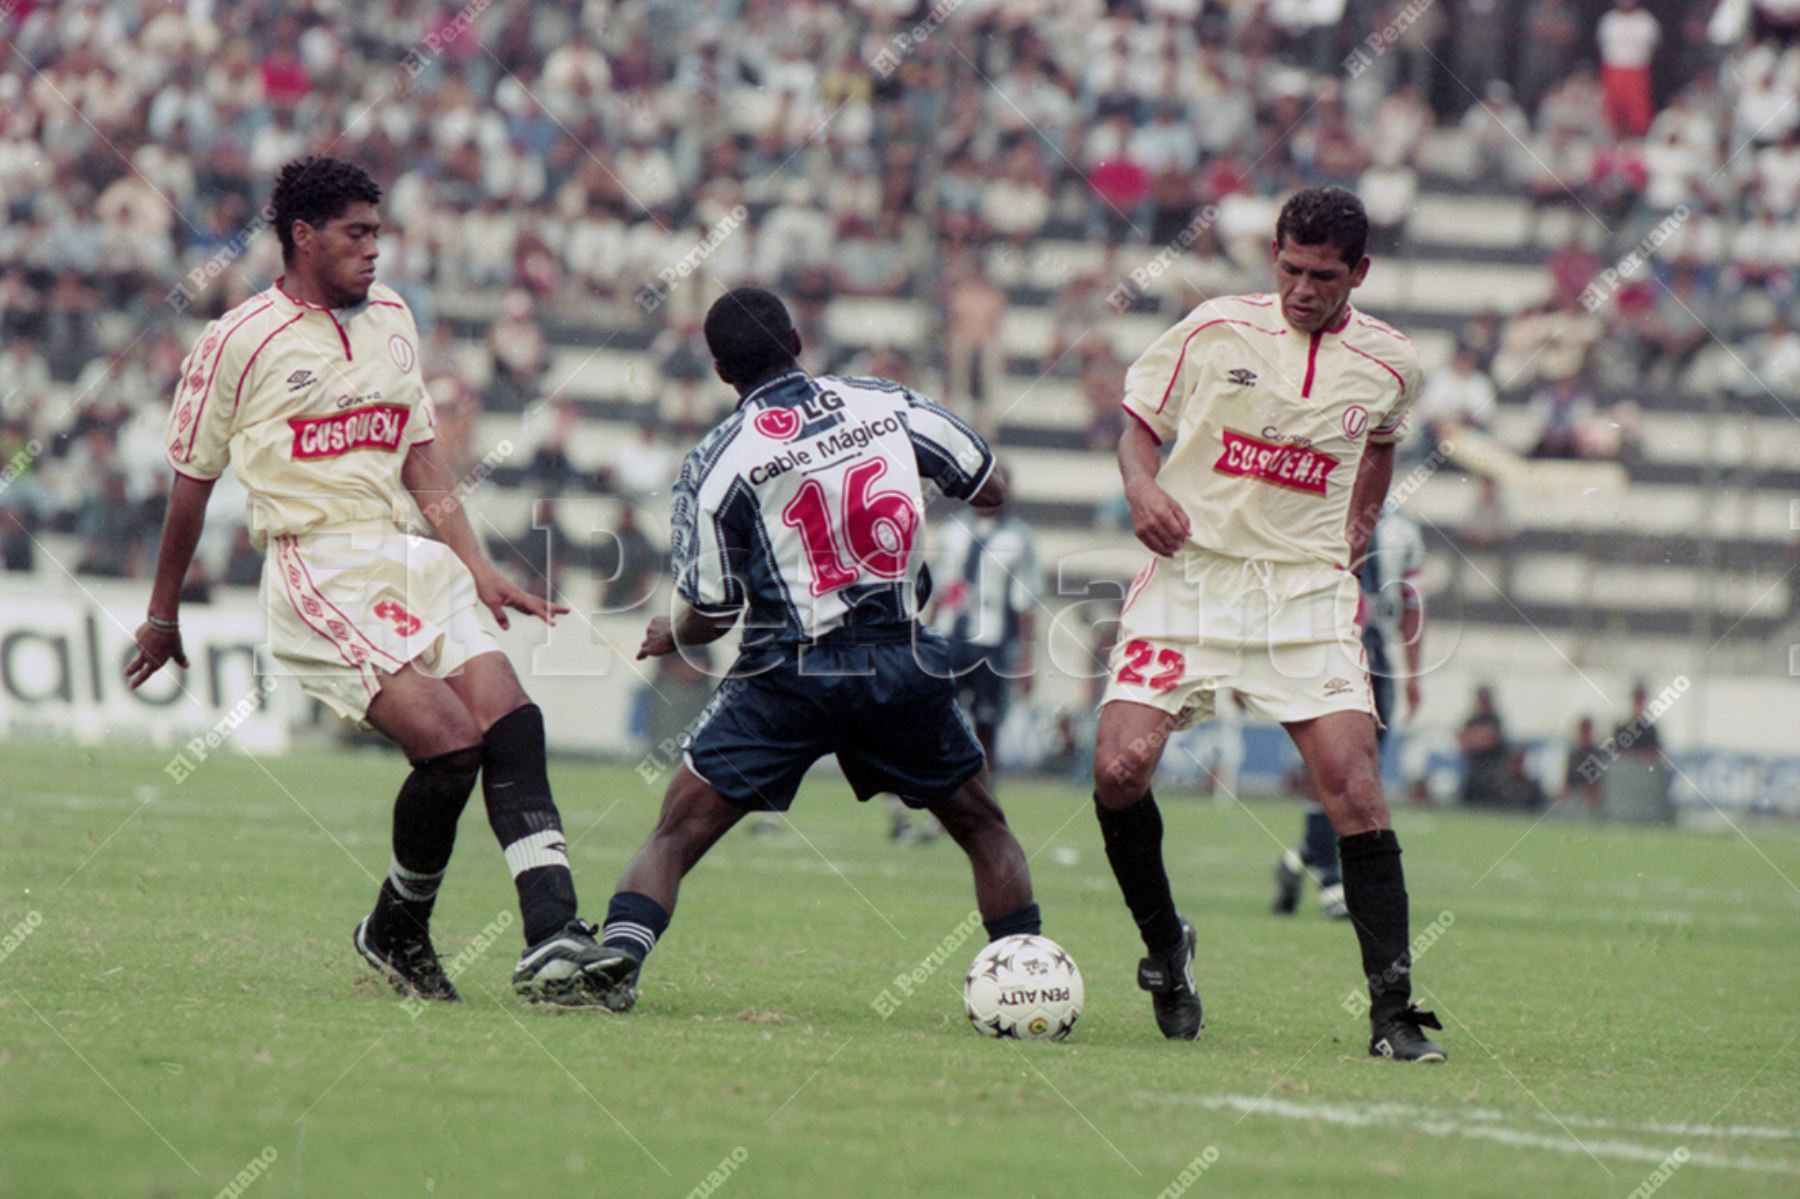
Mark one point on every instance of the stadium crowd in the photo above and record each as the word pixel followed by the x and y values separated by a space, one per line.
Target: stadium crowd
pixel 574 153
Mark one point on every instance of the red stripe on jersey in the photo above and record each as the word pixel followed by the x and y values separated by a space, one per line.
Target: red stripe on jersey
pixel 1369 322
pixel 1343 321
pixel 210 374
pixel 1312 361
pixel 1378 362
pixel 1254 303
pixel 239 394
pixel 1140 420
pixel 342 336
pixel 1182 357
pixel 387 303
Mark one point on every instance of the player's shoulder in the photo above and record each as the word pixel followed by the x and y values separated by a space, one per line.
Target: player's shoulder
pixel 713 449
pixel 234 334
pixel 1366 326
pixel 1381 341
pixel 870 385
pixel 383 298
pixel 1230 315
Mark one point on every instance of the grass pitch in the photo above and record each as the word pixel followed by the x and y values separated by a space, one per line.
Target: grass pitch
pixel 183 1015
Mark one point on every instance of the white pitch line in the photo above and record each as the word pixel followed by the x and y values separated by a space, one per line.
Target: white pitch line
pixel 1486 1125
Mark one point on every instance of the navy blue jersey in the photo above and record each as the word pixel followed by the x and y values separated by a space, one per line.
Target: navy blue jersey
pixel 804 506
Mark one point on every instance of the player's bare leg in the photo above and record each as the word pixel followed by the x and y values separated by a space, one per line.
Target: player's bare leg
pixel 694 816
pixel 1127 749
pixel 1340 752
pixel 489 688
pixel 972 817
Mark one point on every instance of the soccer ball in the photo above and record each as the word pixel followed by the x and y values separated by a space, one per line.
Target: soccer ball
pixel 1025 987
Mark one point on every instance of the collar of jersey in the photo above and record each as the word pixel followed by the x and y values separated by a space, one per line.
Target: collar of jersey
pixel 297 302
pixel 1342 324
pixel 1343 321
pixel 766 384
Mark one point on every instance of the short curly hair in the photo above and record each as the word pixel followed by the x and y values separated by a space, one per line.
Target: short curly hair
pixel 750 333
pixel 1325 216
pixel 316 189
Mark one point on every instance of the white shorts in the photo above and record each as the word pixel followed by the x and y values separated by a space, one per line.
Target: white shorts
pixel 1283 636
pixel 350 603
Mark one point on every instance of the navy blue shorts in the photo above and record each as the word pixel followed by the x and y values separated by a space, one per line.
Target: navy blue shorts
pixel 887 710
pixel 981 689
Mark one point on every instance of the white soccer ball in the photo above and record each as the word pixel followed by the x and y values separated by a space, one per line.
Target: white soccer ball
pixel 1025 987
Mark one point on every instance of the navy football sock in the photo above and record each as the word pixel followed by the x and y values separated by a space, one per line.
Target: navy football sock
pixel 1321 852
pixel 1025 920
pixel 634 922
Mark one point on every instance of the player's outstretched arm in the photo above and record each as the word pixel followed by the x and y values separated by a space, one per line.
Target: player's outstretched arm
pixel 996 489
pixel 159 637
pixel 691 627
pixel 426 476
pixel 1159 521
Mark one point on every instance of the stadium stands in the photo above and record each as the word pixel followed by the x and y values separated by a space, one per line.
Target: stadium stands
pixel 875 149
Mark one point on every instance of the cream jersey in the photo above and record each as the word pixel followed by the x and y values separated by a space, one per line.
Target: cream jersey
pixel 1269 423
pixel 315 407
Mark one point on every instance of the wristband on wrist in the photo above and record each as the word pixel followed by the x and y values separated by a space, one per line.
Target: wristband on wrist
pixel 161 625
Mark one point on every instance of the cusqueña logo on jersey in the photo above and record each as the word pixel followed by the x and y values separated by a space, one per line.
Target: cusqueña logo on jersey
pixel 371 427
pixel 1300 468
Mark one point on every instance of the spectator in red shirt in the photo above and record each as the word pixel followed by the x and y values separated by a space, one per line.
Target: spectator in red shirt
pixel 1628 36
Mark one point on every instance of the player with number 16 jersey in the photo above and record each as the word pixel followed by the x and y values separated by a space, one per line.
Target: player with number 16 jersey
pixel 803 513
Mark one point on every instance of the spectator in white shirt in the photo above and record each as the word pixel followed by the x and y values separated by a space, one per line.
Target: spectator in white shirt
pixel 1455 398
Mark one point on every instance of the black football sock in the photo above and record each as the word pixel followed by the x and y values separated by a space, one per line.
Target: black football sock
pixel 1133 839
pixel 1375 893
pixel 1321 852
pixel 431 801
pixel 515 783
pixel 634 923
pixel 1026 920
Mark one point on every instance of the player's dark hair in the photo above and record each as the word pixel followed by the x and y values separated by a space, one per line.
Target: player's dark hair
pixel 1325 216
pixel 316 190
pixel 750 333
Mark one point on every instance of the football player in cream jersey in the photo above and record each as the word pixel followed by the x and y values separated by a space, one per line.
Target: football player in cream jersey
pixel 1280 413
pixel 312 391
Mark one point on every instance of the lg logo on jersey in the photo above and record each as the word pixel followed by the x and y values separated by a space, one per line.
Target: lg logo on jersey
pixel 778 424
pixel 784 424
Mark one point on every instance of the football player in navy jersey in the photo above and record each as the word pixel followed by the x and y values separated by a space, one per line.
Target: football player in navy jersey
pixel 801 513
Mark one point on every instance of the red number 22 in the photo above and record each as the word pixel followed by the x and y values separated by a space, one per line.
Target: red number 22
pixel 1137 660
